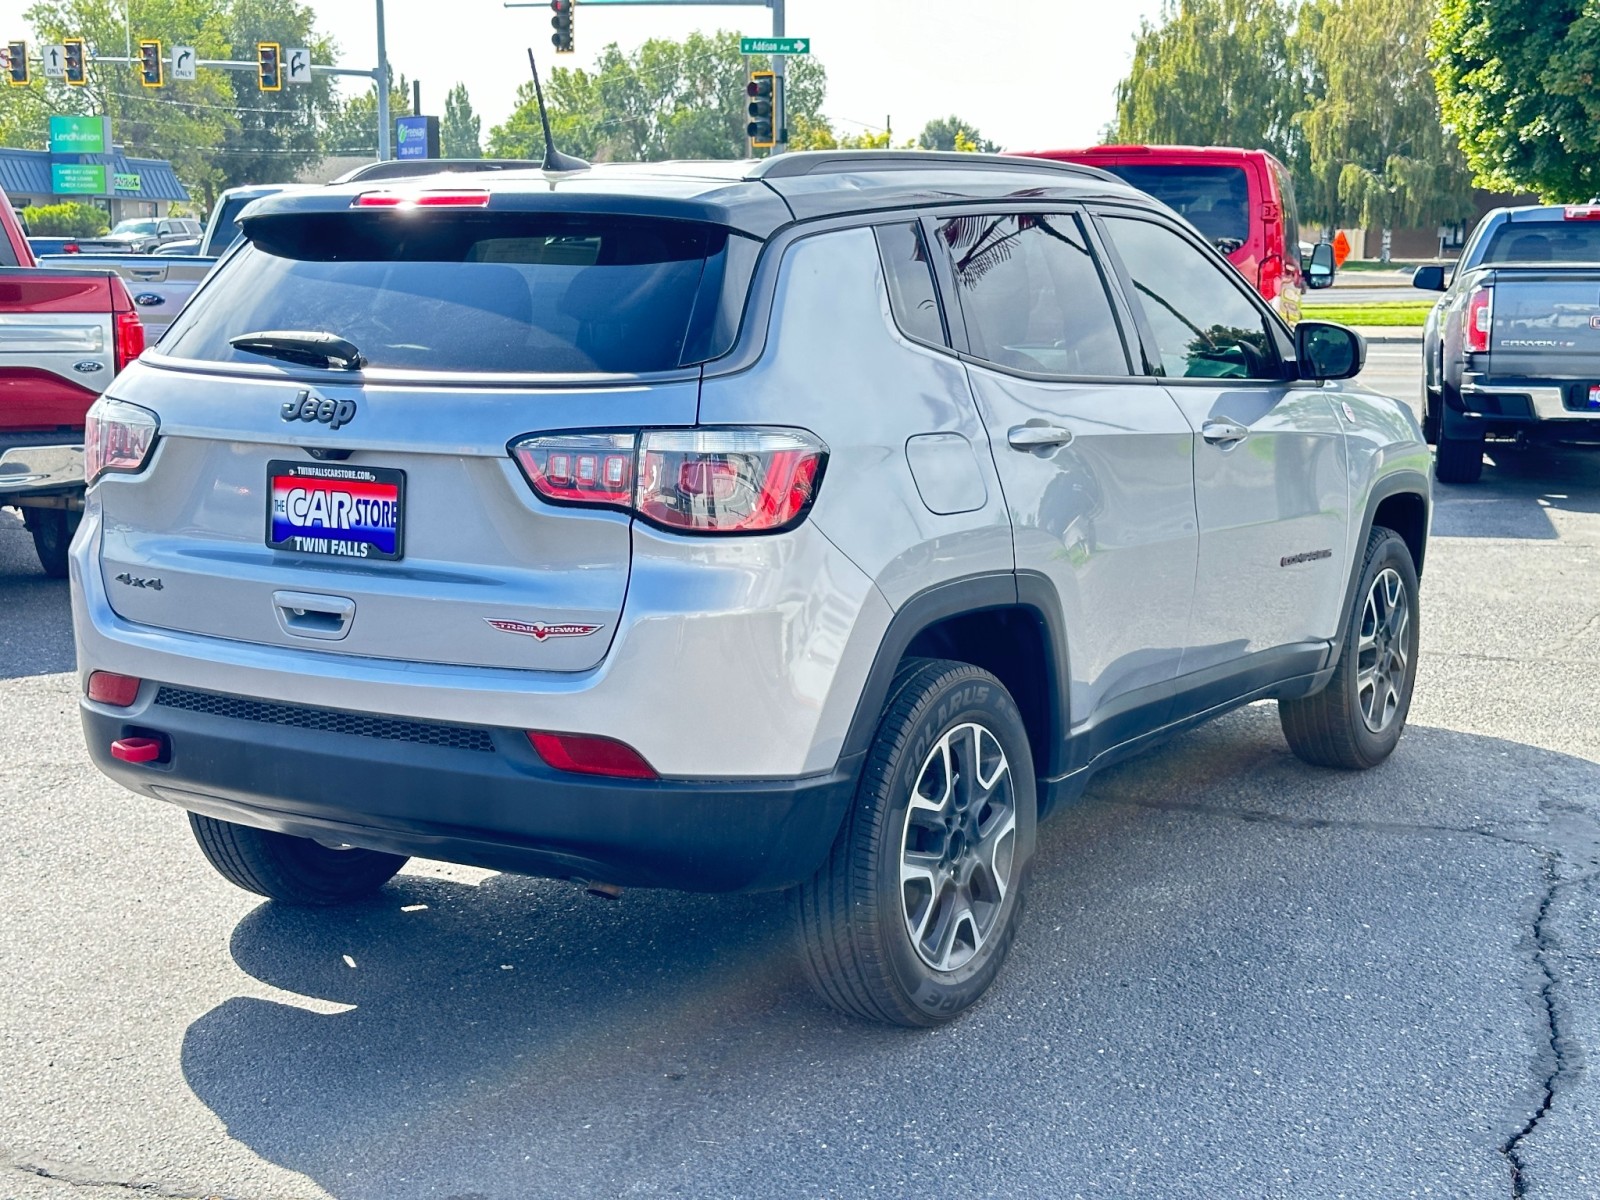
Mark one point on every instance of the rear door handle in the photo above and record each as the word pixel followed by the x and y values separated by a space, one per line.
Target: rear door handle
pixel 1224 433
pixel 1038 437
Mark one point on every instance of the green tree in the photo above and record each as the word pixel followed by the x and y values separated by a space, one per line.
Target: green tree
pixel 952 133
pixel 72 219
pixel 1516 82
pixel 1216 73
pixel 1379 153
pixel 277 132
pixel 665 100
pixel 458 131
pixel 352 125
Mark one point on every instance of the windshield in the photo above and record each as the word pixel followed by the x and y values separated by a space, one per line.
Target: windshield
pixel 476 292
pixel 1545 241
pixel 1215 200
pixel 135 227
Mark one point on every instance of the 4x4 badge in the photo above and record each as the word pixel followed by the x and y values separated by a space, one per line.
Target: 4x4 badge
pixel 308 406
pixel 541 631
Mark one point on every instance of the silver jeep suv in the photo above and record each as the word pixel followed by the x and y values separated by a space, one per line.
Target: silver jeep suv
pixel 812 524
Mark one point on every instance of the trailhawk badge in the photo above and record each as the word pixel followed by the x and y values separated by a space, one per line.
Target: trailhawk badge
pixel 540 631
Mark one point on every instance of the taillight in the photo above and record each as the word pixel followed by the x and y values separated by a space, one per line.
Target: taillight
pixel 116 437
pixel 1581 212
pixel 1480 320
pixel 107 687
pixel 583 754
pixel 687 480
pixel 129 335
pixel 1270 276
pixel 72 248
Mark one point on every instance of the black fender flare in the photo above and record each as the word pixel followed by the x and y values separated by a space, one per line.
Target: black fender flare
pixel 1403 481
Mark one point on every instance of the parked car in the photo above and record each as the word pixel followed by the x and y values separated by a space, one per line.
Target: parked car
pixel 1241 200
pixel 63 335
pixel 729 529
pixel 141 235
pixel 1511 352
pixel 53 245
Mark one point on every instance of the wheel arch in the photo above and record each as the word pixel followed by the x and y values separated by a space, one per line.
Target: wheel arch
pixel 1007 623
pixel 1402 501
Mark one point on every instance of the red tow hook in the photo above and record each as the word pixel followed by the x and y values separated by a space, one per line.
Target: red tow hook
pixel 137 749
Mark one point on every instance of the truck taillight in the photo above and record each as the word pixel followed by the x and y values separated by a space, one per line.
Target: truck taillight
pixel 116 437
pixel 129 335
pixel 1269 276
pixel 1480 320
pixel 686 480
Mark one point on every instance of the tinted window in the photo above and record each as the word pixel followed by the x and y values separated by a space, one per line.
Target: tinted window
pixel 909 274
pixel 8 256
pixel 228 231
pixel 1291 215
pixel 1215 200
pixel 1204 325
pixel 1545 241
pixel 1032 295
pixel 496 292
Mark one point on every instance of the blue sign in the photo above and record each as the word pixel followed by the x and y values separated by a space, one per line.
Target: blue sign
pixel 416 137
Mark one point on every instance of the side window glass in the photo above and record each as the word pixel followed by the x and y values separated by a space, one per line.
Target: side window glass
pixel 1032 294
pixel 1205 327
pixel 912 297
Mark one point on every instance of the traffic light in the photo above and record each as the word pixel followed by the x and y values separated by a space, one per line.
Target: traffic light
pixel 760 128
pixel 561 22
pixel 269 64
pixel 15 56
pixel 150 64
pixel 77 62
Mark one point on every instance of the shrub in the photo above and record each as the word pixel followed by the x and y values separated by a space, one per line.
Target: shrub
pixel 72 219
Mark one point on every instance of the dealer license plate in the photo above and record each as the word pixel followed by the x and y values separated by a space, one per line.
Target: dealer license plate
pixel 335 510
pixel 1594 397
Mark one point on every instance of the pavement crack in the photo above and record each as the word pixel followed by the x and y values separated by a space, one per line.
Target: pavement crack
pixel 1397 828
pixel 76 1177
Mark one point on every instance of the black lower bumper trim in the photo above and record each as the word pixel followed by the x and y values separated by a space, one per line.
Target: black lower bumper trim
pixel 506 810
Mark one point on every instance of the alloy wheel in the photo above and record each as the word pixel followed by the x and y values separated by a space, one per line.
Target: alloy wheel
pixel 958 847
pixel 1384 656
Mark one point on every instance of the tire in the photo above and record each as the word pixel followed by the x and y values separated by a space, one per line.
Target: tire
pixel 909 920
pixel 52 530
pixel 291 870
pixel 1355 722
pixel 1458 460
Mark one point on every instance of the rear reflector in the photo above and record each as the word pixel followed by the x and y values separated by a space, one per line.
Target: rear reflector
pixel 106 687
pixel 136 749
pixel 585 755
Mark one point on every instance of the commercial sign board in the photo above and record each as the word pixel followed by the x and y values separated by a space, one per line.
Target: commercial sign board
pixel 80 135
pixel 416 137
pixel 78 179
pixel 126 181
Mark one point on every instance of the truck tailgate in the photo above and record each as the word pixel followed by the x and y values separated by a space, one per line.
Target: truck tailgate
pixel 160 284
pixel 57 347
pixel 1546 324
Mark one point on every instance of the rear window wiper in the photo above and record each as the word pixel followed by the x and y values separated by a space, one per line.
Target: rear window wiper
pixel 307 347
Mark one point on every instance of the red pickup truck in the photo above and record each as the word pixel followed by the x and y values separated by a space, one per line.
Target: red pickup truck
pixel 63 336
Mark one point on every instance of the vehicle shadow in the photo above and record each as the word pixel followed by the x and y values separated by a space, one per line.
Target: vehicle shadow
pixel 35 614
pixel 1519 492
pixel 1190 918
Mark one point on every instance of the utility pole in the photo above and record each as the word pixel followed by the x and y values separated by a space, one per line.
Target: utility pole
pixel 383 88
pixel 780 108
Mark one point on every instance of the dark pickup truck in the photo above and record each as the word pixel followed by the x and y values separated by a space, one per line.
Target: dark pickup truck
pixel 63 335
pixel 1511 353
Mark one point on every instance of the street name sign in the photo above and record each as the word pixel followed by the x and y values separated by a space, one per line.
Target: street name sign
pixel 787 45
pixel 183 62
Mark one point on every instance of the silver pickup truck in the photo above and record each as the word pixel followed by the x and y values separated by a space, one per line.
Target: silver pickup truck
pixel 1511 353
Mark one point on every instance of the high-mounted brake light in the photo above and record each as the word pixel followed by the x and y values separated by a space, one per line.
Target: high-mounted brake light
pixel 686 480
pixel 117 436
pixel 129 335
pixel 454 199
pixel 1581 212
pixel 1480 320
pixel 583 754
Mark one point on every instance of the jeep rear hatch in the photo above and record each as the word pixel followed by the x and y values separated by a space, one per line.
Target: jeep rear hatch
pixel 377 511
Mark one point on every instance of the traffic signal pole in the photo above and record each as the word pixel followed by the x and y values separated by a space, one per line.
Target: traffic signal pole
pixel 780 115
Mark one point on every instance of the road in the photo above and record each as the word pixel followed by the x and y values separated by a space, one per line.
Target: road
pixel 1239 976
pixel 1368 287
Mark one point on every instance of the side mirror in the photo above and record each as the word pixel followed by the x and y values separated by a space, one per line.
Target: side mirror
pixel 1320 273
pixel 1429 279
pixel 1328 351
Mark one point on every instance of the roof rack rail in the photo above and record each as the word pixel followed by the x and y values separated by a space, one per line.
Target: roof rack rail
pixel 819 162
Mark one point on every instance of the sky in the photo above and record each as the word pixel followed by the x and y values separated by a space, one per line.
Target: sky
pixel 1028 74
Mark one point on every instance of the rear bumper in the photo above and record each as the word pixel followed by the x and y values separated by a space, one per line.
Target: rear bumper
pixel 1553 407
pixel 467 794
pixel 34 466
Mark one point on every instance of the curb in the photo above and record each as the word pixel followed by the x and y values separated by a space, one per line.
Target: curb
pixel 1382 335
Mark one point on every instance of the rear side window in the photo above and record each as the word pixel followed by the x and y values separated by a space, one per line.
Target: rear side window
pixel 1032 295
pixel 228 231
pixel 474 292
pixel 1215 200
pixel 1545 241
pixel 1291 214
pixel 909 273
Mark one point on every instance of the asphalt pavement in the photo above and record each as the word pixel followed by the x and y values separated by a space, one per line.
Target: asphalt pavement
pixel 1239 976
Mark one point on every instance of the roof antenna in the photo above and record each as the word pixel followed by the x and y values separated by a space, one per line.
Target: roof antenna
pixel 554 160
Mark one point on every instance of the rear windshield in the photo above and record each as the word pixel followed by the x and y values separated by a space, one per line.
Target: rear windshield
pixel 1545 241
pixel 1215 200
pixel 476 291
